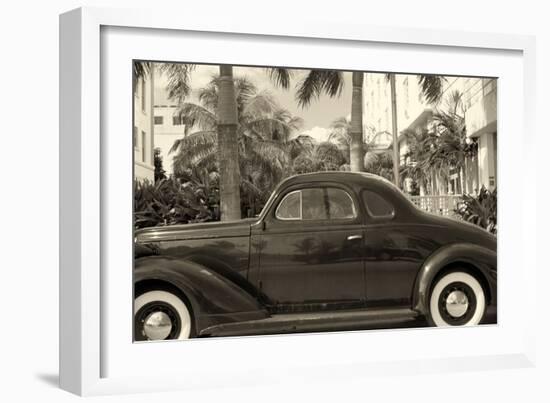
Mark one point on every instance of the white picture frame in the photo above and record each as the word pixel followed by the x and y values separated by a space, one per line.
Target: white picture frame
pixel 94 359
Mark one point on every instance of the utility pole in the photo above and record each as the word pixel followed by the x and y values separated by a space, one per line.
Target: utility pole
pixel 394 130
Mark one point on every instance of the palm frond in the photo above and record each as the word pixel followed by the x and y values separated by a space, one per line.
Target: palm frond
pixel 198 116
pixel 260 103
pixel 179 76
pixel 340 130
pixel 317 82
pixel 280 76
pixel 432 87
pixel 193 140
pixel 141 69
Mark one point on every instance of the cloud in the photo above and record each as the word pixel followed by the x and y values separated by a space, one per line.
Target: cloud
pixel 318 133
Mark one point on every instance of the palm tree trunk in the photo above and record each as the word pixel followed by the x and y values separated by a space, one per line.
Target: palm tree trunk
pixel 356 150
pixel 394 130
pixel 228 147
pixel 462 173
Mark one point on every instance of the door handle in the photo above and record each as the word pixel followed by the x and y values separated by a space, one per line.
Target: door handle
pixel 354 237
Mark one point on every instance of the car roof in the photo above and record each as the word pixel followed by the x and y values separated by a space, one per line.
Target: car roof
pixel 361 178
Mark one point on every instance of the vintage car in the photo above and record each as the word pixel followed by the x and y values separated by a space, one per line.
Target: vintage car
pixel 329 251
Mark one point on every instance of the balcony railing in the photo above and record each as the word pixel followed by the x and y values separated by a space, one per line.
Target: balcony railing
pixel 441 205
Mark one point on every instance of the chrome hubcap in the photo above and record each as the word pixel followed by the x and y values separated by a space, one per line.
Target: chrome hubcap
pixel 456 303
pixel 157 326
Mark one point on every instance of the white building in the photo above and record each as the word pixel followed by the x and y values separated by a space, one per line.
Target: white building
pixel 377 96
pixel 168 126
pixel 143 132
pixel 479 103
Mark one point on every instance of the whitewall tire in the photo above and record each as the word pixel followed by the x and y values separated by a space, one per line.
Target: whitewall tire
pixel 457 299
pixel 161 315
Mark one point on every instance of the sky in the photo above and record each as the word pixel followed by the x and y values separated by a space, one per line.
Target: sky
pixel 317 116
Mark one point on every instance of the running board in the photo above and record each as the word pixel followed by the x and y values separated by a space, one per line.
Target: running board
pixel 315 322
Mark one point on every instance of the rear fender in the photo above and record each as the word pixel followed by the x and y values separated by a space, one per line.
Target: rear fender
pixel 482 260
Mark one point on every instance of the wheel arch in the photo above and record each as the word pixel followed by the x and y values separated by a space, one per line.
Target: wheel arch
pixel 467 267
pixel 473 259
pixel 152 284
pixel 211 297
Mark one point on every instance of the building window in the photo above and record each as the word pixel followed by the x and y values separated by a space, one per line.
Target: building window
pixel 177 120
pixel 143 146
pixel 143 104
pixel 135 139
pixel 159 120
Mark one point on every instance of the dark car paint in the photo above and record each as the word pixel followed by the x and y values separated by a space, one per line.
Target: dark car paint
pixel 305 266
pixel 213 297
pixel 326 269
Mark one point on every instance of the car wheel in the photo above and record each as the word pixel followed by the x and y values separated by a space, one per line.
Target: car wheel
pixel 161 315
pixel 457 299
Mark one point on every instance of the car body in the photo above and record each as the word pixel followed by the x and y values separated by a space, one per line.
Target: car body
pixel 329 251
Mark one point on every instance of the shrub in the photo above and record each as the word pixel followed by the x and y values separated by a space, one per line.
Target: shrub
pixel 480 210
pixel 169 202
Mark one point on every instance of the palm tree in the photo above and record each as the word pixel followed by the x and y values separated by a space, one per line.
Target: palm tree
pixel 140 70
pixel 435 151
pixel 379 163
pixel 356 148
pixel 418 166
pixel 324 156
pixel 432 89
pixel 395 135
pixel 264 138
pixel 331 82
pixel 452 149
pixel 228 148
pixel 226 130
pixel 340 130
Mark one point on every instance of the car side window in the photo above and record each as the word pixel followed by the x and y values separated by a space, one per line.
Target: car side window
pixel 377 206
pixel 290 208
pixel 341 205
pixel 316 204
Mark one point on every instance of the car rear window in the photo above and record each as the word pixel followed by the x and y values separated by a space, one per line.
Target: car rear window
pixel 377 206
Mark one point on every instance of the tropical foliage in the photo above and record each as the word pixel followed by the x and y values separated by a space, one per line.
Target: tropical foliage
pixel 169 202
pixel 379 163
pixel 340 130
pixel 160 173
pixel 331 82
pixel 233 126
pixel 324 156
pixel 439 149
pixel 266 141
pixel 480 210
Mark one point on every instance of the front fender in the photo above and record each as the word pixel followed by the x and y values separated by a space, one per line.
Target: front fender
pixel 482 260
pixel 214 299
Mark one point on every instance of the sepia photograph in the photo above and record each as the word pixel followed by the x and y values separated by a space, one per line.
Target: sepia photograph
pixel 275 200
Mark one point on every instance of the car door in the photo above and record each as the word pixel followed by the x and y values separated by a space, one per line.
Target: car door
pixel 312 253
pixel 393 253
